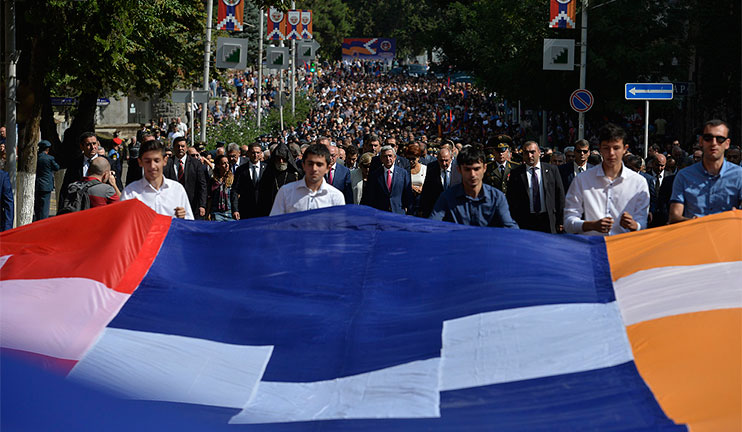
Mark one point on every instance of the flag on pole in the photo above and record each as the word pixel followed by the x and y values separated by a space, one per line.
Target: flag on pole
pixel 293 27
pixel 306 23
pixel 637 332
pixel 276 24
pixel 563 14
pixel 230 15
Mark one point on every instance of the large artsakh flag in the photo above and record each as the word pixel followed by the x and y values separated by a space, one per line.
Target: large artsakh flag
pixel 348 318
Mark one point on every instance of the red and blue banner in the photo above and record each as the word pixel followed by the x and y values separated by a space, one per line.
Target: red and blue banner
pixel 369 48
pixel 563 14
pixel 230 15
pixel 349 318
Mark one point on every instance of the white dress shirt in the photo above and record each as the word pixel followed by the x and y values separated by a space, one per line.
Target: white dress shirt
pixel 296 196
pixel 539 175
pixel 164 200
pixel 576 168
pixel 445 173
pixel 86 164
pixel 254 171
pixel 176 165
pixel 596 196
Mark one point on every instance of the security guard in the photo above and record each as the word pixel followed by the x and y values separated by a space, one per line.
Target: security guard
pixel 498 162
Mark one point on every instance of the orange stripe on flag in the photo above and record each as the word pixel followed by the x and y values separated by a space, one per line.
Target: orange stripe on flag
pixel 711 239
pixel 693 364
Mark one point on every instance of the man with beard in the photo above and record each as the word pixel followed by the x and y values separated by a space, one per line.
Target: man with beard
pixel 280 170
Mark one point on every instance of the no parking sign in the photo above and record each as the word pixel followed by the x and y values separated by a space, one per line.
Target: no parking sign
pixel 581 100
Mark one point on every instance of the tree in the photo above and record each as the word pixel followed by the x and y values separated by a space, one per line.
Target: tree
pixel 331 22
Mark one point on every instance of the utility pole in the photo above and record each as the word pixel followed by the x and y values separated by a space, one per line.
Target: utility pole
pixel 293 69
pixel 583 66
pixel 260 68
pixel 11 129
pixel 207 56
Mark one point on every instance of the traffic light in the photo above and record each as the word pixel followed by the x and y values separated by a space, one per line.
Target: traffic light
pixel 312 67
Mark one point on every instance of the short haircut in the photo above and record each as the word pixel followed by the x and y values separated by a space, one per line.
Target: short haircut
pixel 351 150
pixel 387 148
pixel 98 166
pixel 86 135
pixel 529 142
pixel 582 143
pixel 178 139
pixel 569 149
pixel 255 144
pixel 716 122
pixel 152 145
pixel 470 155
pixel 611 133
pixel 373 137
pixel 632 161
pixel 233 147
pixel 295 150
pixel 320 150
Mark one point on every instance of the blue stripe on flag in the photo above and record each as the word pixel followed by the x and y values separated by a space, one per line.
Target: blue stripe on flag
pixel 349 290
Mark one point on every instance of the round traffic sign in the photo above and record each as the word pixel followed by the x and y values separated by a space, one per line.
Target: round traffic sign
pixel 581 100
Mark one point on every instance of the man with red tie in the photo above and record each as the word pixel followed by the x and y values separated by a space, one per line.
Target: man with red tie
pixel 389 187
pixel 187 171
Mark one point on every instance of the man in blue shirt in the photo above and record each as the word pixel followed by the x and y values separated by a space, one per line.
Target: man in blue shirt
pixel 710 186
pixel 472 202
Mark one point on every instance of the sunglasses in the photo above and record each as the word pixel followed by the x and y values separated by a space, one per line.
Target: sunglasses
pixel 583 151
pixel 719 139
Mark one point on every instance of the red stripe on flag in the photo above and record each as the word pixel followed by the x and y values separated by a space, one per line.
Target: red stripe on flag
pixel 52 364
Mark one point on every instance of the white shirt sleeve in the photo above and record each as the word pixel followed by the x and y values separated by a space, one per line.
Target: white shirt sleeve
pixel 641 205
pixel 279 205
pixel 573 208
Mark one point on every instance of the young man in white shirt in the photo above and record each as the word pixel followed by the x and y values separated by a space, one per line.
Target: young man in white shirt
pixel 166 197
pixel 311 192
pixel 611 198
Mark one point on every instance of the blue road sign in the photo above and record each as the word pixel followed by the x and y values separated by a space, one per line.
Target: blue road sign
pixel 581 100
pixel 648 91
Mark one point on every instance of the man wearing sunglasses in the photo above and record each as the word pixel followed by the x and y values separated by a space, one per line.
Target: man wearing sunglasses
pixel 579 164
pixel 710 186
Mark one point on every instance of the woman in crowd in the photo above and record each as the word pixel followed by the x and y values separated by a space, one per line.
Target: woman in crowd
pixel 221 199
pixel 417 171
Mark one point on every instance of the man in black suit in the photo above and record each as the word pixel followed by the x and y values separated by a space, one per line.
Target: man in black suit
pixel 388 188
pixel 246 183
pixel 188 172
pixel 440 176
pixel 78 167
pixel 235 157
pixel 339 176
pixel 400 161
pixel 569 170
pixel 535 193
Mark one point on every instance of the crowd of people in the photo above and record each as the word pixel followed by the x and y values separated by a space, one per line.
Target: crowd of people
pixel 419 146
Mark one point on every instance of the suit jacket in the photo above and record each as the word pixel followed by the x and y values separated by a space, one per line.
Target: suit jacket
pixel 6 201
pixel 652 192
pixel 379 197
pixel 567 172
pixel 662 210
pixel 194 182
pixel 496 179
pixel 243 160
pixel 341 181
pixel 247 190
pixel 520 205
pixel 45 167
pixel 433 186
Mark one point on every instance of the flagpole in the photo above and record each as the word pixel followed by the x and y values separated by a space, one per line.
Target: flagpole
pixel 583 66
pixel 207 56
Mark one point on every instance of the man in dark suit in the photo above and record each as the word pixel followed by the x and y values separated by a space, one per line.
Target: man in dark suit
pixel 45 168
pixel 78 167
pixel 388 188
pixel 535 193
pixel 569 170
pixel 400 161
pixel 246 182
pixel 6 202
pixel 235 158
pixel 439 177
pixel 339 176
pixel 499 169
pixel 187 171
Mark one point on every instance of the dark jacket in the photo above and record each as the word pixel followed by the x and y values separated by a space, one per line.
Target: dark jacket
pixel 6 201
pixel 376 194
pixel 520 204
pixel 247 190
pixel 341 182
pixel 194 182
pixel 273 179
pixel 45 168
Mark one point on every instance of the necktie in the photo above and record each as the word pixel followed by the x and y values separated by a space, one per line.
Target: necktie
pixel 180 171
pixel 580 169
pixel 329 176
pixel 535 191
pixel 502 170
pixel 255 174
pixel 389 180
pixel 445 179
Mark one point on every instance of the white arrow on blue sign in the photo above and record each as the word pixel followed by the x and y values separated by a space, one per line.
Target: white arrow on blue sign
pixel 648 91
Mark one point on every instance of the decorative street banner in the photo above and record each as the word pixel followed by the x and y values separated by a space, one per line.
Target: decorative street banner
pixel 276 24
pixel 563 14
pixel 306 23
pixel 369 48
pixel 230 15
pixel 294 24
